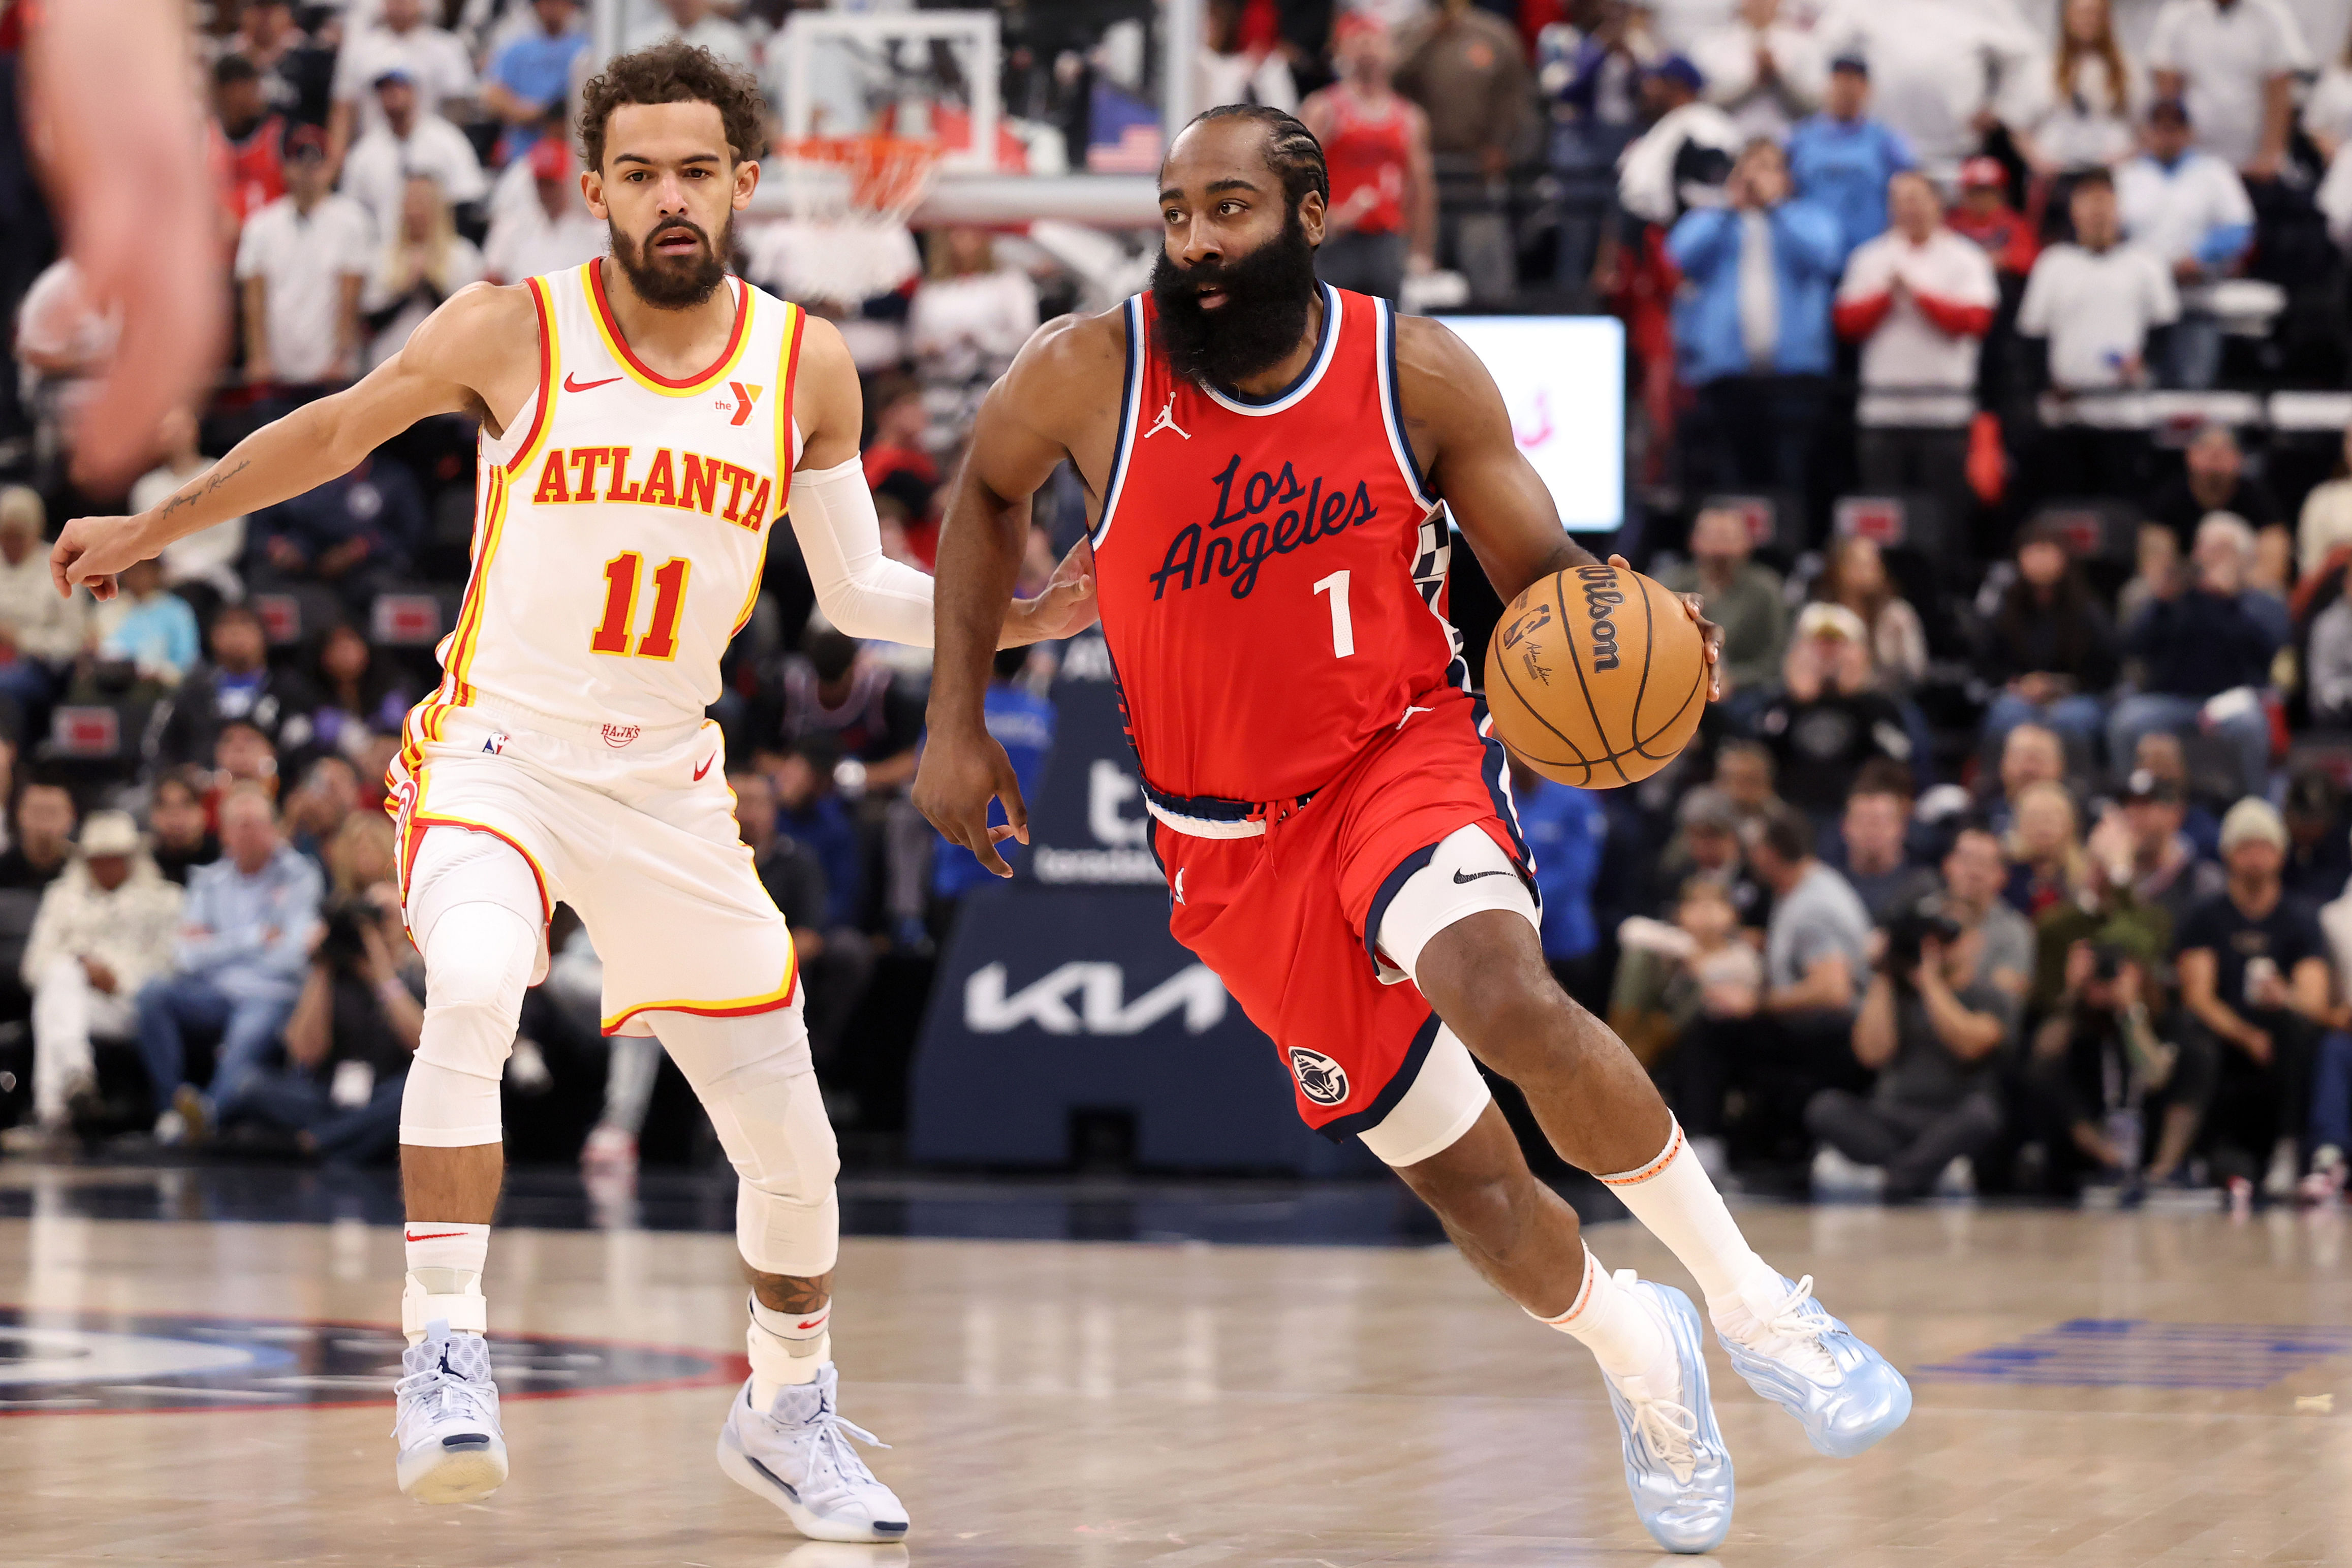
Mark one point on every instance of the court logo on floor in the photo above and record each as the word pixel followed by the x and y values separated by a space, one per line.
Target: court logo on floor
pixel 1320 1078
pixel 69 1361
pixel 2131 1353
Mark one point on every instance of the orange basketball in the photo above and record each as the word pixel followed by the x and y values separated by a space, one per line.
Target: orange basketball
pixel 1596 677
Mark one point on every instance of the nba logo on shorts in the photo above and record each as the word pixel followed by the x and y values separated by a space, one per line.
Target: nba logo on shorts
pixel 1320 1078
pixel 619 735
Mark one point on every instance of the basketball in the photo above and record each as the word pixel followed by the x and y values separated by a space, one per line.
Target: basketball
pixel 1596 677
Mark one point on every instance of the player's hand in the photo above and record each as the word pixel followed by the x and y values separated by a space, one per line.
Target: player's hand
pixel 91 550
pixel 957 778
pixel 1709 633
pixel 1065 608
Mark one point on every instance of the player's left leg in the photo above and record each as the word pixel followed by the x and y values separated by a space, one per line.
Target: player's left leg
pixel 784 1439
pixel 1482 968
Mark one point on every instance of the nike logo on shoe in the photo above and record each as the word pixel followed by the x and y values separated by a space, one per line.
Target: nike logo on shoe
pixel 1474 876
pixel 574 384
pixel 705 767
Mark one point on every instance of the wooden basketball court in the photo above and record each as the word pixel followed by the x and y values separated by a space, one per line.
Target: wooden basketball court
pixel 2092 1389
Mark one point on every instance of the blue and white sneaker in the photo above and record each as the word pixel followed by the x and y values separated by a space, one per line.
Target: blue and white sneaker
pixel 1675 1464
pixel 1809 1365
pixel 447 1423
pixel 796 1454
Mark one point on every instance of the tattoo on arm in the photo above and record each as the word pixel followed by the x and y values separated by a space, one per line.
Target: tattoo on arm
pixel 196 492
pixel 784 1293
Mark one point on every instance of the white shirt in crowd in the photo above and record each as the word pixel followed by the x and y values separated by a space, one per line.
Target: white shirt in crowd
pixel 380 164
pixel 1726 57
pixel 1243 78
pixel 209 555
pixel 2171 211
pixel 1908 351
pixel 1935 64
pixel 524 242
pixel 2325 523
pixel 2090 124
pixel 964 328
pixel 2097 309
pixel 2226 59
pixel 717 34
pixel 432 55
pixel 463 265
pixel 2328 112
pixel 303 261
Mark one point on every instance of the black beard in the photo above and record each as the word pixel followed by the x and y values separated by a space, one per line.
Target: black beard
pixel 1268 294
pixel 673 284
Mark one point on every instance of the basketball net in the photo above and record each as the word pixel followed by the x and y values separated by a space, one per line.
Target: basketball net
pixel 853 196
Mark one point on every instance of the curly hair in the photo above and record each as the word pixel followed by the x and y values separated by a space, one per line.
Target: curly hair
pixel 674 71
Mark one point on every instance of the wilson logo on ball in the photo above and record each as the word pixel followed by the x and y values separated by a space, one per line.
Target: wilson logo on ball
pixel 1600 597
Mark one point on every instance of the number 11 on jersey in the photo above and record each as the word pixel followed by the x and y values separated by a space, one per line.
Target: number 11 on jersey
pixel 1343 630
pixel 621 575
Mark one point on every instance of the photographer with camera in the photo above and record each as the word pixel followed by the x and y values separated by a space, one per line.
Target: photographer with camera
pixel 1931 1025
pixel 348 1042
pixel 2098 1069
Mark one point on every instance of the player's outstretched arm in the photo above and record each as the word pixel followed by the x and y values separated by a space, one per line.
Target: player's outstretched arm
pixel 479 352
pixel 862 591
pixel 1023 430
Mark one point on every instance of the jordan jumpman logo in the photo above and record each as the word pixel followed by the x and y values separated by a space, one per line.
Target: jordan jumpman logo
pixel 1167 421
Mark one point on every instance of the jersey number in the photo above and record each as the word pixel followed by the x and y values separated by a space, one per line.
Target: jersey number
pixel 621 575
pixel 1343 630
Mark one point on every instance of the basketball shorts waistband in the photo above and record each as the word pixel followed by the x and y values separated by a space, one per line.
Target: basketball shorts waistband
pixel 1206 816
pixel 644 740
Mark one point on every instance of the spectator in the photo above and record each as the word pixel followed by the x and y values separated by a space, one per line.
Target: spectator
pixel 1843 158
pixel 2325 524
pixel 236 684
pixel 1919 298
pixel 532 74
pixel 2047 865
pixel 1948 71
pixel 1742 596
pixel 550 228
pixel 2163 869
pixel 2030 754
pixel 1975 875
pixel 699 24
pixel 39 632
pixel 1930 1026
pixel 2327 662
pixel 1468 72
pixel 1382 220
pixel 2156 566
pixel 2213 478
pixel 1230 70
pixel 300 264
pixel 1565 830
pixel 146 628
pixel 2207 651
pixel 351 696
pixel 318 811
pixel 899 468
pixel 1830 718
pixel 205 561
pixel 348 1038
pixel 1795 1038
pixel 1602 93
pixel 827 692
pixel 1758 356
pixel 296 71
pixel 243 755
pixel 2097 1054
pixel 1984 217
pixel 1705 848
pixel 836 961
pixel 969 315
pixel 1684 158
pixel 104 930
pixel 237 966
pixel 2047 646
pixel 1856 578
pixel 2254 978
pixel 45 837
pixel 809 808
pixel 401 41
pixel 1745 773
pixel 1765 71
pixel 1871 834
pixel 252 138
pixel 2087 121
pixel 363 858
pixel 408 145
pixel 2162 754
pixel 352 535
pixel 1668 975
pixel 2233 63
pixel 2319 858
pixel 420 264
pixel 66 340
pixel 2190 208
pixel 184 838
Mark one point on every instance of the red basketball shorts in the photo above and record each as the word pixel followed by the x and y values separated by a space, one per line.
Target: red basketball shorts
pixel 1279 908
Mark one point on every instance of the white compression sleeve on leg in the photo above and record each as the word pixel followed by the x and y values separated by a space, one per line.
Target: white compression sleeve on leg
pixel 477 963
pixel 862 591
pixel 777 1136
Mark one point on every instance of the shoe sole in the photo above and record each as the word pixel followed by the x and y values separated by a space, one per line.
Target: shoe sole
pixel 453 1476
pixel 755 1478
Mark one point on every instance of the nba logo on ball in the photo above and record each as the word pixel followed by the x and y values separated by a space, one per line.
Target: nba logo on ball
pixel 1320 1078
pixel 1596 677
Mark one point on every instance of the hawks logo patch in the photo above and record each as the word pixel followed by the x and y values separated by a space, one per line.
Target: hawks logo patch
pixel 1320 1078
pixel 619 735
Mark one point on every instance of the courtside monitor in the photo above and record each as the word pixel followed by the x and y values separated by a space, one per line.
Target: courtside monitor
pixel 1563 380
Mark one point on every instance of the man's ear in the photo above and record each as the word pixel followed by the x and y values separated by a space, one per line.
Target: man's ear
pixel 1310 216
pixel 592 190
pixel 746 180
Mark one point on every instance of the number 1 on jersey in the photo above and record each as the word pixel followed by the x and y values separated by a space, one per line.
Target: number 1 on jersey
pixel 621 575
pixel 1343 630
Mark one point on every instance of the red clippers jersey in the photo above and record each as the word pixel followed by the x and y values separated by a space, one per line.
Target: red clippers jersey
pixel 1367 152
pixel 1272 573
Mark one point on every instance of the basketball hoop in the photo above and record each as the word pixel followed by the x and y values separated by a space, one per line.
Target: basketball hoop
pixel 850 198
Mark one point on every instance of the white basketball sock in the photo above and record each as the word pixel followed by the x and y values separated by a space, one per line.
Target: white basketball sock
pixel 445 1259
pixel 1673 1199
pixel 1621 1332
pixel 786 1348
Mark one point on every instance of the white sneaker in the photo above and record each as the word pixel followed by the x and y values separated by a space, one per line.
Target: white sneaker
pixel 2278 1182
pixel 447 1425
pixel 2325 1182
pixel 1835 1176
pixel 797 1456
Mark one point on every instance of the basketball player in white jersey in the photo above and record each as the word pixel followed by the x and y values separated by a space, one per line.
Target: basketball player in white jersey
pixel 644 420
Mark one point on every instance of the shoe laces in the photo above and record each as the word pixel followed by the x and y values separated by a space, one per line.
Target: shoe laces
pixel 1790 1332
pixel 439 1391
pixel 1666 1429
pixel 830 1469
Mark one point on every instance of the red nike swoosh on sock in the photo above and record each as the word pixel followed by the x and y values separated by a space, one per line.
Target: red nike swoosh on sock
pixel 813 1322
pixel 435 1236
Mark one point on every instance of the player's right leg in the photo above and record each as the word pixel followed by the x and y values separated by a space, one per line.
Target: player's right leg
pixel 475 907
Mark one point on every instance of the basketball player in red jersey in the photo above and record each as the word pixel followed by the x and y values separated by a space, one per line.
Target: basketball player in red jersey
pixel 1382 217
pixel 1265 456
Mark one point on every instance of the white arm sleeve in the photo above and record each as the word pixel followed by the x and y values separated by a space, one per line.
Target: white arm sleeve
pixel 862 592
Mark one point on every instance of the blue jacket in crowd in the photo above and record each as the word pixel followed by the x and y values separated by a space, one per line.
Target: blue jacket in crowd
pixel 250 936
pixel 1806 260
pixel 1565 829
pixel 2201 645
pixel 1845 165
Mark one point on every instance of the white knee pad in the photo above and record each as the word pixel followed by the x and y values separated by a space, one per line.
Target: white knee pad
pixel 777 1136
pixel 479 959
pixel 455 867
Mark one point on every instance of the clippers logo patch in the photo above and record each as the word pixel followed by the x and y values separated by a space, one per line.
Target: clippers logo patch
pixel 1320 1078
pixel 619 735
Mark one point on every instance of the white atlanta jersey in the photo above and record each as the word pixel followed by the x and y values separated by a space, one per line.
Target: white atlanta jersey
pixel 621 520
